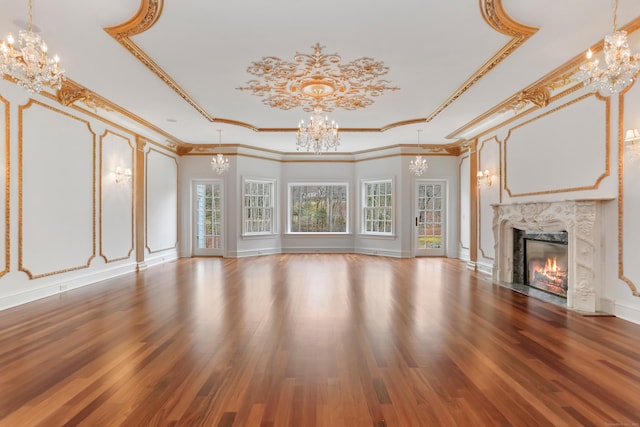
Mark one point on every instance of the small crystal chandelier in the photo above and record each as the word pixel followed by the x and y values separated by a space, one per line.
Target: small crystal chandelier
pixel 28 63
pixel 219 164
pixel 621 67
pixel 419 165
pixel 318 134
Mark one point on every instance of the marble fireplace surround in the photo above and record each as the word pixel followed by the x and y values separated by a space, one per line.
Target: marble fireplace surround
pixel 580 218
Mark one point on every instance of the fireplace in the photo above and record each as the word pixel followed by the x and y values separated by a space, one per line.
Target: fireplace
pixel 579 276
pixel 547 265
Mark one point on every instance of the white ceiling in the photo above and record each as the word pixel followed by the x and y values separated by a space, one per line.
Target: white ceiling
pixel 431 48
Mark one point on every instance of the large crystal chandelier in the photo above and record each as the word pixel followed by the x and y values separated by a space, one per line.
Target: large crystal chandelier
pixel 419 165
pixel 219 163
pixel 620 66
pixel 27 61
pixel 318 135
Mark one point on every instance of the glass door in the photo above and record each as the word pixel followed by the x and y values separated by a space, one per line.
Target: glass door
pixel 207 219
pixel 430 217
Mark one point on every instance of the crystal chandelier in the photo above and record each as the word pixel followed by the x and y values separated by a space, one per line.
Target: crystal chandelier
pixel 419 165
pixel 27 61
pixel 318 135
pixel 620 69
pixel 219 164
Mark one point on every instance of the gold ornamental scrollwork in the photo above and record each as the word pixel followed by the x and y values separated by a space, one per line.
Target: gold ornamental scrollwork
pixel 317 80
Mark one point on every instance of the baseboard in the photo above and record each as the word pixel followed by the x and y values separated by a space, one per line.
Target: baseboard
pixel 382 252
pixel 484 268
pixel 253 252
pixel 51 289
pixel 158 259
pixel 632 314
pixel 317 250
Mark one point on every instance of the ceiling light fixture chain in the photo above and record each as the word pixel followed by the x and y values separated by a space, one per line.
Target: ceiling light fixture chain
pixel 419 165
pixel 318 135
pixel 620 66
pixel 219 163
pixel 27 62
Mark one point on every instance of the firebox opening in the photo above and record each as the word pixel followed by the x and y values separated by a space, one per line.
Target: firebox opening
pixel 546 262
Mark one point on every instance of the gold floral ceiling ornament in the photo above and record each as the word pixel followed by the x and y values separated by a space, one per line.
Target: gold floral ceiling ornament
pixel 318 81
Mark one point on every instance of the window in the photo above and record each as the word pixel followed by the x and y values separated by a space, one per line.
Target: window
pixel 258 207
pixel 318 208
pixel 377 207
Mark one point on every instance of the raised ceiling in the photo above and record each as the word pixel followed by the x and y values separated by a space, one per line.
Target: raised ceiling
pixel 177 65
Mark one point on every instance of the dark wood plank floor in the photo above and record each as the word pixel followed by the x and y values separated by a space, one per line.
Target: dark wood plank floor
pixel 313 340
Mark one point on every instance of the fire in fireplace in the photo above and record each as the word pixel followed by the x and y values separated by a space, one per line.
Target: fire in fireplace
pixel 546 264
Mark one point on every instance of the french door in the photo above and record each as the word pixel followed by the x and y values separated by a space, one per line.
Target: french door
pixel 430 202
pixel 208 230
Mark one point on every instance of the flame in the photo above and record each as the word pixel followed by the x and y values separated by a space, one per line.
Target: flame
pixel 551 265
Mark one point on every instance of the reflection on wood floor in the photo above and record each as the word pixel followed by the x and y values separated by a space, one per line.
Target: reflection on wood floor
pixel 313 340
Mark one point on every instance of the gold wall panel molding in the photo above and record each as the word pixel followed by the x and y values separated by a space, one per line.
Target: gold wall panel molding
pixel 607 170
pixel 462 159
pixel 150 10
pixel 494 138
pixel 621 274
pixel 7 186
pixel 131 184
pixel 146 200
pixel 21 267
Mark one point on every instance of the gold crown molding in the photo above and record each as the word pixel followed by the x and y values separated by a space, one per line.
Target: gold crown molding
pixel 495 15
pixel 605 174
pixel 621 275
pixel 71 92
pixel 7 187
pixel 21 109
pixel 124 138
pixel 150 10
pixel 554 80
pixel 146 206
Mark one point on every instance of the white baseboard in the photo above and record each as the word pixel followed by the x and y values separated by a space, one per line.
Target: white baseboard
pixel 632 314
pixel 159 259
pixel 317 250
pixel 485 268
pixel 61 286
pixel 253 252
pixel 382 252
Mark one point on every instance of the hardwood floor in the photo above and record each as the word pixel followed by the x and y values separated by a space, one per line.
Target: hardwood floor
pixel 313 340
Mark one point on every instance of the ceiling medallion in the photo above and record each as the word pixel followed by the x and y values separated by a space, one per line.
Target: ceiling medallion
pixel 317 81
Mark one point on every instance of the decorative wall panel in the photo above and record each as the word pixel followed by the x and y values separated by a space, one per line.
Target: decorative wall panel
pixel 465 208
pixel 57 201
pixel 162 201
pixel 5 195
pixel 563 150
pixel 488 159
pixel 116 202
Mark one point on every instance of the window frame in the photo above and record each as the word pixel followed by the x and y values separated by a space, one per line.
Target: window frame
pixel 347 215
pixel 364 207
pixel 273 206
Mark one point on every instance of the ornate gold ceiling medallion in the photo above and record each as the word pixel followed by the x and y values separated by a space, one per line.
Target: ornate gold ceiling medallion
pixel 318 80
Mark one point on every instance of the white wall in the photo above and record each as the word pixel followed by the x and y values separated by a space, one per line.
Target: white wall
pixel 67 223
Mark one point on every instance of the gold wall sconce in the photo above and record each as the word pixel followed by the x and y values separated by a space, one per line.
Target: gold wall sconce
pixel 485 178
pixel 122 175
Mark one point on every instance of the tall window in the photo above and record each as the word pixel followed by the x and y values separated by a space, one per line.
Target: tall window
pixel 318 208
pixel 377 206
pixel 258 207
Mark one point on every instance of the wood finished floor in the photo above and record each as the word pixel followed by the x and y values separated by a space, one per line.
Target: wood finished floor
pixel 313 340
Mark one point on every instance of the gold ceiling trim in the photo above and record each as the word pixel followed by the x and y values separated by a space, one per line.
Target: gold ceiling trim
pixel 561 77
pixel 317 81
pixel 150 10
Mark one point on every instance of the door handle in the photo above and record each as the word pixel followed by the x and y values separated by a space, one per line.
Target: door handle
pixel 416 221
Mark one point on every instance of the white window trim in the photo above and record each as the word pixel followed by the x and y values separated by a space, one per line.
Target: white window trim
pixel 323 233
pixel 363 206
pixel 274 204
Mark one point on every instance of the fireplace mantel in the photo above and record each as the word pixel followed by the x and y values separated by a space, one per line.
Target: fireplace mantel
pixel 580 218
